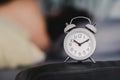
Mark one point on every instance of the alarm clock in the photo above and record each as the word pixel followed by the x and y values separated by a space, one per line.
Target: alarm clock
pixel 80 43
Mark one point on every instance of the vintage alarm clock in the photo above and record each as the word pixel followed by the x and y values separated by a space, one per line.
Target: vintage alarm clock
pixel 80 43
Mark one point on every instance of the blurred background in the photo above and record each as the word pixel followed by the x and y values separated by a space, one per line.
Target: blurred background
pixel 31 31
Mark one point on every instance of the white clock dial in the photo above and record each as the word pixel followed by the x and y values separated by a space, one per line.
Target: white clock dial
pixel 79 44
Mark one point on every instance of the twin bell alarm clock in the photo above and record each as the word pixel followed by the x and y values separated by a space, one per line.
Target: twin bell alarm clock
pixel 80 43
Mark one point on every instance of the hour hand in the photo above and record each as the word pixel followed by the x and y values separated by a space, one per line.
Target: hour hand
pixel 79 44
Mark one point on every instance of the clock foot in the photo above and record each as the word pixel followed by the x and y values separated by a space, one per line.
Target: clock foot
pixel 67 59
pixel 92 60
pixel 80 62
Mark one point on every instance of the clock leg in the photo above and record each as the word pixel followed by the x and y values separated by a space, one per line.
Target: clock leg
pixel 66 59
pixel 67 24
pixel 92 60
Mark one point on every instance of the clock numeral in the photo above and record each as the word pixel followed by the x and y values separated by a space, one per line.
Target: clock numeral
pixel 88 48
pixel 89 43
pixel 84 52
pixel 84 37
pixel 79 54
pixel 71 40
pixel 70 44
pixel 71 49
pixel 79 35
pixel 75 36
pixel 75 51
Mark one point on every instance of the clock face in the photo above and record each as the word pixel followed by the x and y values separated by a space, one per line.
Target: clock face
pixel 79 44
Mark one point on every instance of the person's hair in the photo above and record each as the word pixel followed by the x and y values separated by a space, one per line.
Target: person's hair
pixel 2 2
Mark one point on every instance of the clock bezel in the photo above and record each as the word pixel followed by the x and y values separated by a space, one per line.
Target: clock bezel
pixel 85 31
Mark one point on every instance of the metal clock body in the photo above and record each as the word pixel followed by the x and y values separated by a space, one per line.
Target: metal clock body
pixel 79 44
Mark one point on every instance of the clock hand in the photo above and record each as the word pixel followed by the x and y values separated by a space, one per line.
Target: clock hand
pixel 79 44
pixel 84 41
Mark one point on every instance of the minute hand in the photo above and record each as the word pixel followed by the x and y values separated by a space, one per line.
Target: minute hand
pixel 84 41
